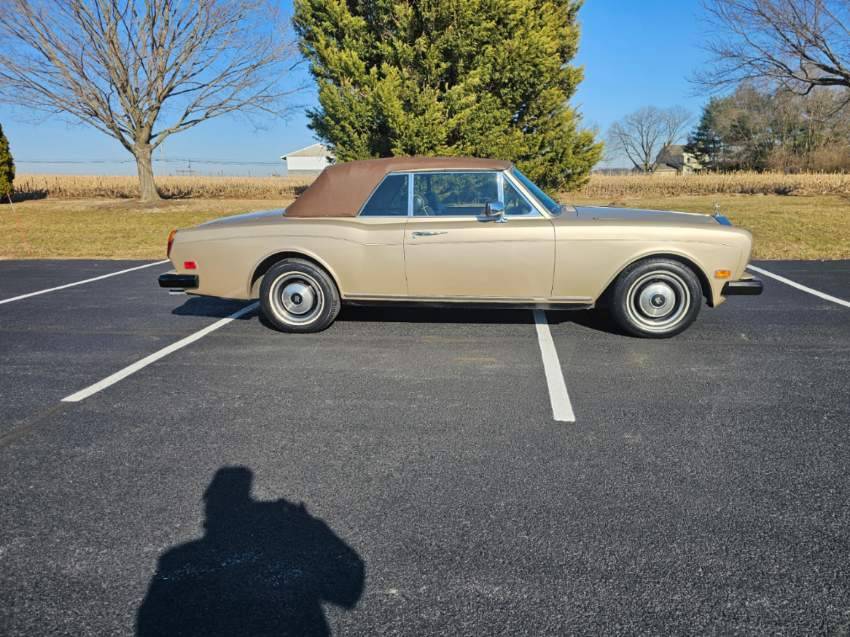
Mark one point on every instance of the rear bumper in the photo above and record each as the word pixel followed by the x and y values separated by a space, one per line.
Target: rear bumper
pixel 174 281
pixel 745 287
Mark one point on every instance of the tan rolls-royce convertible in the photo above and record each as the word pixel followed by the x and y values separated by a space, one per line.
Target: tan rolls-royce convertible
pixel 460 231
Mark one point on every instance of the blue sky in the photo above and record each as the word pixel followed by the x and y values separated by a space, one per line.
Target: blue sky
pixel 635 53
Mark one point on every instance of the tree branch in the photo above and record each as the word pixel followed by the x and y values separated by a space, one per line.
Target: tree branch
pixel 141 70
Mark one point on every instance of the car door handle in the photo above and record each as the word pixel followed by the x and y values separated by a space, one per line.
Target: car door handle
pixel 427 234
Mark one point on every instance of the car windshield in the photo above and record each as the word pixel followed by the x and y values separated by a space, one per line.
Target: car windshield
pixel 550 204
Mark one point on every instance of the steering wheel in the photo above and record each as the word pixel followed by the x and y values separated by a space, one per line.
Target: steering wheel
pixel 421 205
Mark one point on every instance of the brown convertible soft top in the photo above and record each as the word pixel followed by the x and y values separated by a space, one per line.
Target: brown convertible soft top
pixel 342 189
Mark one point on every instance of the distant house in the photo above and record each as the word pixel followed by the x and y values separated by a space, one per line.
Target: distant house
pixel 309 160
pixel 675 160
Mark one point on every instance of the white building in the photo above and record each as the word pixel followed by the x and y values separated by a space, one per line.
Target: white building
pixel 675 160
pixel 307 161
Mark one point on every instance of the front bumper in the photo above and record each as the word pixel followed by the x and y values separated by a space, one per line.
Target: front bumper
pixel 174 281
pixel 744 287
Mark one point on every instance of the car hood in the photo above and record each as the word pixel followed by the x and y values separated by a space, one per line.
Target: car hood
pixel 247 218
pixel 600 213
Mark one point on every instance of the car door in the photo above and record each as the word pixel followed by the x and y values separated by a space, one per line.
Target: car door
pixel 453 251
pixel 372 249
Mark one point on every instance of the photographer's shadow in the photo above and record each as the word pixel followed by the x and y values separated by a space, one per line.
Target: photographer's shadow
pixel 262 568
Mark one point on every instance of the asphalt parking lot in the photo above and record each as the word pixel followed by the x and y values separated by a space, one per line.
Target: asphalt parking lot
pixel 402 472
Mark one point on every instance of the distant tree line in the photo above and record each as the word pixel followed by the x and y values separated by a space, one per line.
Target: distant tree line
pixel 787 63
pixel 774 129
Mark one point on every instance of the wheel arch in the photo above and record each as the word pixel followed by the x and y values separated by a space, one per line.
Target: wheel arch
pixel 685 260
pixel 267 262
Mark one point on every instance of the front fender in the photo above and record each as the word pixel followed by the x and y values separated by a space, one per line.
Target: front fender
pixel 587 268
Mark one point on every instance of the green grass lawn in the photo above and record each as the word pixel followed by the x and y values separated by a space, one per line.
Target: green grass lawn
pixel 784 227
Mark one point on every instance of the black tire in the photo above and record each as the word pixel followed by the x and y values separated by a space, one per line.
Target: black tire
pixel 656 298
pixel 298 296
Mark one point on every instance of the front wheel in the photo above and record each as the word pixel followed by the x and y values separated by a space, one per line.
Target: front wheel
pixel 298 296
pixel 656 298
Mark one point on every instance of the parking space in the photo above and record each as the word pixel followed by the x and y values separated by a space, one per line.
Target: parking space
pixel 55 343
pixel 26 279
pixel 831 277
pixel 702 487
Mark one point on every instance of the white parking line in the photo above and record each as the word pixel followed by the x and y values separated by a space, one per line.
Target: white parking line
pixel 70 285
pixel 793 284
pixel 562 409
pixel 147 360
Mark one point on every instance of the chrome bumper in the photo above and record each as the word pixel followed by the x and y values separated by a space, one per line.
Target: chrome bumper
pixel 745 287
pixel 174 281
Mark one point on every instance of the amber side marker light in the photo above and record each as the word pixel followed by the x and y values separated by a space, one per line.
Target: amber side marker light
pixel 170 242
pixel 722 274
pixel 190 265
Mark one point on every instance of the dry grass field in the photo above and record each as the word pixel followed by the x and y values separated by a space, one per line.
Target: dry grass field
pixel 106 228
pixel 171 187
pixel 791 216
pixel 783 227
pixel 741 183
pixel 287 188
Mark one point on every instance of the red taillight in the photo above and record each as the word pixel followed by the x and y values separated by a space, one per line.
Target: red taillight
pixel 170 242
pixel 190 265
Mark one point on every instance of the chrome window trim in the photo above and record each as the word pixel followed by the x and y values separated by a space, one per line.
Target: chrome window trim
pixel 530 201
pixel 380 183
pixel 410 191
pixel 522 190
pixel 453 171
pixel 501 176
pixel 423 171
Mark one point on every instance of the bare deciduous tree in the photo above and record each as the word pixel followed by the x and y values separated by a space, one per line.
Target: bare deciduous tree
pixel 142 70
pixel 641 135
pixel 797 44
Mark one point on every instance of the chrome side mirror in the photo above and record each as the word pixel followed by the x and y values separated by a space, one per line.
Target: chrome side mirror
pixel 494 211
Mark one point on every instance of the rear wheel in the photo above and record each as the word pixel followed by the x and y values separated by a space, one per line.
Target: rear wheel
pixel 298 296
pixel 656 298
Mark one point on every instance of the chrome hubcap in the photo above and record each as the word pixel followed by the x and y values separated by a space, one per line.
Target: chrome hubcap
pixel 658 301
pixel 297 298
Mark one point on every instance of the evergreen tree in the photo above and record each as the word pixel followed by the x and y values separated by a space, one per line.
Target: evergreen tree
pixel 487 78
pixel 7 168
pixel 706 143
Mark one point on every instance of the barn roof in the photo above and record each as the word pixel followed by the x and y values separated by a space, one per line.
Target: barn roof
pixel 313 150
pixel 342 189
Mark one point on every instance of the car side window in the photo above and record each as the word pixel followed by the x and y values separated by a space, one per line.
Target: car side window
pixel 389 198
pixel 516 205
pixel 454 194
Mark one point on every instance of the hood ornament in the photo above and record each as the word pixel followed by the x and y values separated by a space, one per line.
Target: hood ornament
pixel 723 220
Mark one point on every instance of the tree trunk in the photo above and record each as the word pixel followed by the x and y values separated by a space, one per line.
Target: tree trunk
pixel 144 165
